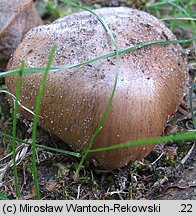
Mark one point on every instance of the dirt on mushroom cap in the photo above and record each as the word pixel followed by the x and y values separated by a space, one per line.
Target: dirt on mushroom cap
pixel 150 84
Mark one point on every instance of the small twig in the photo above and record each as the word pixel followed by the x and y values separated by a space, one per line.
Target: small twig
pixel 37 157
pixel 184 187
pixel 183 111
pixel 120 196
pixel 192 66
pixel 92 176
pixel 188 154
pixel 85 195
pixel 189 125
pixel 14 99
pixel 18 149
pixel 157 159
pixel 179 187
pixel 159 182
pixel 7 161
pixel 116 192
pixel 184 118
pixel 78 195
pixel 172 187
pixel 24 174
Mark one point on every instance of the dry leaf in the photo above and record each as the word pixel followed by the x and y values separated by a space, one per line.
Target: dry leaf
pixel 171 152
pixel 15 20
pixel 51 186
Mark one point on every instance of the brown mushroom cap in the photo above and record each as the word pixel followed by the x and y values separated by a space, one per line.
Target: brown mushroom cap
pixel 150 84
pixel 16 18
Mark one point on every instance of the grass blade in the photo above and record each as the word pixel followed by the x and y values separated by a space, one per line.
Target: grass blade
pixel 179 137
pixel 191 103
pixel 35 122
pixel 111 54
pixel 75 154
pixel 18 89
pixel 105 113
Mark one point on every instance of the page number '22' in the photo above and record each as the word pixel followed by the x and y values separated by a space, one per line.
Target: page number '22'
pixel 186 208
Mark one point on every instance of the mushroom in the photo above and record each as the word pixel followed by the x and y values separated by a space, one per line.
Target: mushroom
pixel 15 20
pixel 150 85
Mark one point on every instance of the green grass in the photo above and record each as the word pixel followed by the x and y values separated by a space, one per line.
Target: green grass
pixel 111 54
pixel 183 17
pixel 35 121
pixel 51 10
pixel 179 137
pixel 14 134
pixel 3 197
pixel 105 113
pixel 191 103
pixel 177 10
pixel 47 148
